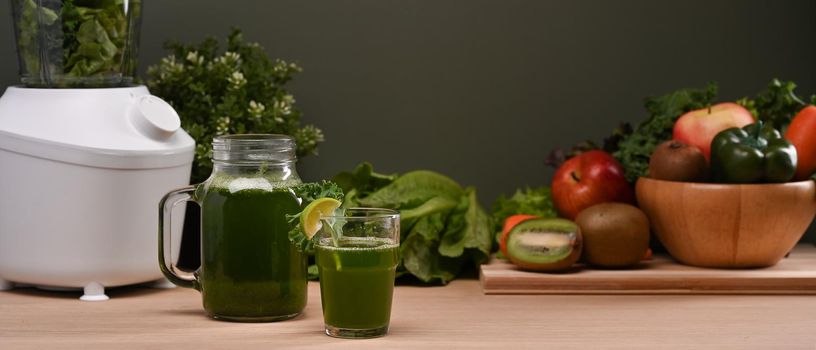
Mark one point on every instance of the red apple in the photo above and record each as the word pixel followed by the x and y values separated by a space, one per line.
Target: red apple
pixel 587 179
pixel 698 127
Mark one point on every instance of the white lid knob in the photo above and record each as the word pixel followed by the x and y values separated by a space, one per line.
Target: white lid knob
pixel 154 117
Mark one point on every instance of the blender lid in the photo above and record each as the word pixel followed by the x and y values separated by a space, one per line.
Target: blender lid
pixel 122 128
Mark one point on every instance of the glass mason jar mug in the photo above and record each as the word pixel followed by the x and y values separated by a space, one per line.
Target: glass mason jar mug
pixel 250 271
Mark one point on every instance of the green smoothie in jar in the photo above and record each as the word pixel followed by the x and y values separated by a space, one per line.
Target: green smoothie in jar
pixel 250 271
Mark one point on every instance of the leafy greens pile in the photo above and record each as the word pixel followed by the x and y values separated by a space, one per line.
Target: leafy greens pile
pixel 443 228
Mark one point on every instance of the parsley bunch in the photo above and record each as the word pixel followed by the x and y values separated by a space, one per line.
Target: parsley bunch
pixel 237 91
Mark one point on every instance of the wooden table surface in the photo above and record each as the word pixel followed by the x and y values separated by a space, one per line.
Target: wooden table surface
pixel 457 316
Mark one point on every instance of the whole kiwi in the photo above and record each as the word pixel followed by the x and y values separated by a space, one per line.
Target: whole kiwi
pixel 615 235
pixel 676 161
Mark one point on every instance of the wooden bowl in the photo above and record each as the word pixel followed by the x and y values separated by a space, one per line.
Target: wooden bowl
pixel 727 226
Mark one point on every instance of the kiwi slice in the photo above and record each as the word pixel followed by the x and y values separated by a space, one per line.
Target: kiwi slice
pixel 544 244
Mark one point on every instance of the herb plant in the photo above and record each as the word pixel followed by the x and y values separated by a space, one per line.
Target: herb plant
pixel 237 91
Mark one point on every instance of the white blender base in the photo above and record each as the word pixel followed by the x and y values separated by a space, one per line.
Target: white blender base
pixel 94 292
pixel 162 284
pixel 6 285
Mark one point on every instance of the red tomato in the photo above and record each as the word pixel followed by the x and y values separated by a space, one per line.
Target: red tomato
pixel 802 134
pixel 509 223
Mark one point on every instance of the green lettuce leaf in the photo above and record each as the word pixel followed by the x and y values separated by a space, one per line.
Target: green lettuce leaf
pixel 363 179
pixel 443 228
pixel 420 253
pixel 413 189
pixel 33 18
pixel 530 201
pixel 468 228
pixel 409 217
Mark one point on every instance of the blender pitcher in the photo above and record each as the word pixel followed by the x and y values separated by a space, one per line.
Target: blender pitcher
pixel 81 43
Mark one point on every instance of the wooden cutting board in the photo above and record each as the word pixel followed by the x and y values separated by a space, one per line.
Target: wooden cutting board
pixel 661 275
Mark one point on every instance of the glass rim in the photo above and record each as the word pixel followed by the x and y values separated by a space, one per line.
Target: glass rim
pixel 254 149
pixel 376 213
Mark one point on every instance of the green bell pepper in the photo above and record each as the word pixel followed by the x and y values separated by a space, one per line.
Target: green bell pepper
pixel 754 154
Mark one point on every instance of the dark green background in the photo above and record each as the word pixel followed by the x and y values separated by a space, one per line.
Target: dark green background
pixel 482 90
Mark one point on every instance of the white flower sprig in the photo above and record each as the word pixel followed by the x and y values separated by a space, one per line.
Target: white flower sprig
pixel 240 90
pixel 256 109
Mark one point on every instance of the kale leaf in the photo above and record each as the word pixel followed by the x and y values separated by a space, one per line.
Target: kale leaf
pixel 777 105
pixel 635 149
pixel 309 192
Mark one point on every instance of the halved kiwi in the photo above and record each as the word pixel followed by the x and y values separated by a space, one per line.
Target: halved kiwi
pixel 544 244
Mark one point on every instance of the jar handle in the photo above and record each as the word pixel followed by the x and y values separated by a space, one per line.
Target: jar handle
pixel 168 267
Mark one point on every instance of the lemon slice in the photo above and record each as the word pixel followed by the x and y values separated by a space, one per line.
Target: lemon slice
pixel 310 217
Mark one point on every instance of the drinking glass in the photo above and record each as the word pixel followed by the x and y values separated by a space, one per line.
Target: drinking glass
pixel 357 254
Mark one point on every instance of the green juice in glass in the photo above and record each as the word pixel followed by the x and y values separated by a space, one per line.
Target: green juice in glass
pixel 250 271
pixel 357 281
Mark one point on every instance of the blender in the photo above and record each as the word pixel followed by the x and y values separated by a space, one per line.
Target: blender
pixel 85 155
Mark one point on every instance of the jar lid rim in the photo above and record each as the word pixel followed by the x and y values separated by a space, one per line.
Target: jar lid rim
pixel 246 138
pixel 254 148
